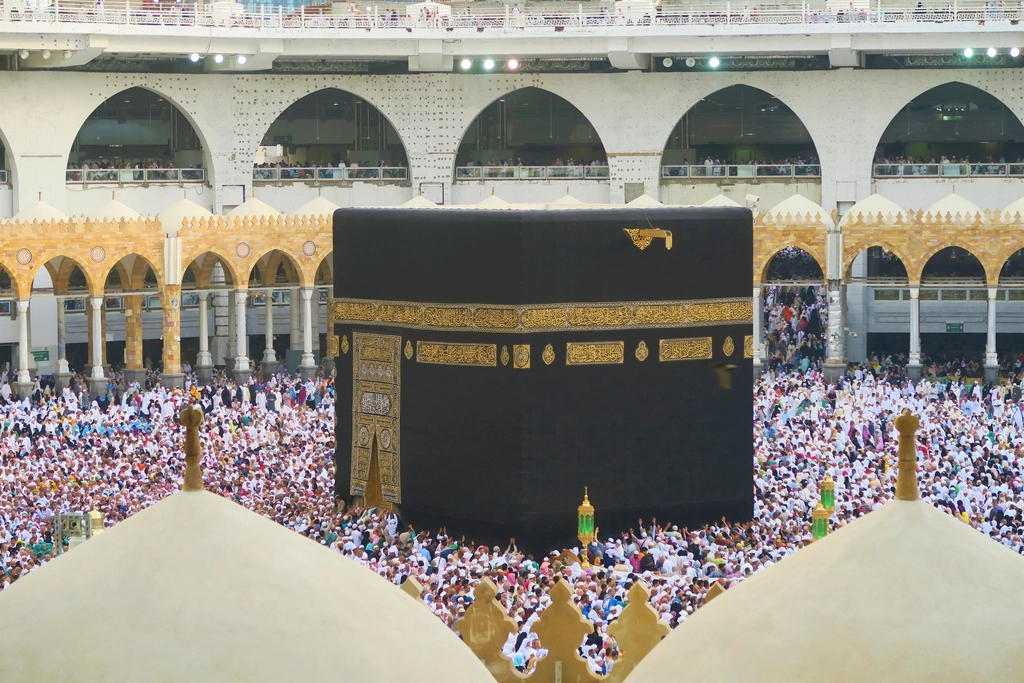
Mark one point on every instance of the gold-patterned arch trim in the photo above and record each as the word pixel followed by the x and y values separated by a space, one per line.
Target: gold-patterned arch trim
pixel 546 317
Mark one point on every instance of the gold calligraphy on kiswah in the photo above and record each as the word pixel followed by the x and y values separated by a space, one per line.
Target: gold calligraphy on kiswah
pixel 546 317
pixel 442 353
pixel 595 353
pixel 693 348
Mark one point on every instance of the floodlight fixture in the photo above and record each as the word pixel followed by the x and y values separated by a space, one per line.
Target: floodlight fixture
pixel 714 62
pixel 465 64
pixel 219 59
pixel 968 52
pixel 488 64
pixel 194 57
pixel 512 64
pixel 991 52
pixel 241 59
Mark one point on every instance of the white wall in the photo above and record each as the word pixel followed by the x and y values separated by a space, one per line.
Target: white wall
pixel 149 201
pixel 920 193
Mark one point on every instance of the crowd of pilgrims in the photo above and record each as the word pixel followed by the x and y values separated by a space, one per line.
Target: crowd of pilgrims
pixel 268 446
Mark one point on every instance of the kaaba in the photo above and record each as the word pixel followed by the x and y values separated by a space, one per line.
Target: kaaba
pixel 493 363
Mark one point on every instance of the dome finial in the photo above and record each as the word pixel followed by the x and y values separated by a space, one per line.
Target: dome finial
pixel 191 418
pixel 906 480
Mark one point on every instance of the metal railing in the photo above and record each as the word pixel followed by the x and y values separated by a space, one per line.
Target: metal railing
pixel 122 176
pixel 982 170
pixel 721 172
pixel 560 15
pixel 327 175
pixel 531 172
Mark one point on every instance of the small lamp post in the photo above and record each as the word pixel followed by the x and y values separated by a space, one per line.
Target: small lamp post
pixel 819 522
pixel 585 525
pixel 827 491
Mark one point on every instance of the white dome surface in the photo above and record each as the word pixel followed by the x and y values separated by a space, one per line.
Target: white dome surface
pixel 253 208
pixel 1013 209
pixel 40 211
pixel 493 202
pixel 114 211
pixel 906 593
pixel 173 215
pixel 197 588
pixel 644 202
pixel 872 206
pixel 798 204
pixel 566 201
pixel 721 200
pixel 317 207
pixel 954 204
pixel 419 202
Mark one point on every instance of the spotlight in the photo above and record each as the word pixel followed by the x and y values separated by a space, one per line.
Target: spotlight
pixel 465 64
pixel 241 59
pixel 23 54
pixel 968 52
pixel 713 62
pixel 667 62
pixel 488 64
pixel 691 62
pixel 68 54
pixel 218 58
pixel 991 52
pixel 46 54
pixel 194 57
pixel 1014 52
pixel 512 64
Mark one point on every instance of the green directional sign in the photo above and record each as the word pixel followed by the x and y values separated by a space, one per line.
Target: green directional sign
pixel 954 327
pixel 41 356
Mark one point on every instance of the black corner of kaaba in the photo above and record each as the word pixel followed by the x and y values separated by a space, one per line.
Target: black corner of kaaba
pixel 493 363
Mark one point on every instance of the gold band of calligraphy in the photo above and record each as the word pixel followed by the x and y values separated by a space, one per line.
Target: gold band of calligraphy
pixel 546 317
pixel 594 353
pixel 442 353
pixel 693 348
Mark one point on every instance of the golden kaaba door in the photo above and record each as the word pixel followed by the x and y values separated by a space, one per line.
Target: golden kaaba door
pixel 376 404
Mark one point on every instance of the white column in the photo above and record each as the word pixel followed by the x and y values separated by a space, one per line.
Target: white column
pixel 241 360
pixel 295 333
pixel 232 348
pixel 97 336
pixel 268 353
pixel 23 374
pixel 62 338
pixel 991 359
pixel 836 338
pixel 307 327
pixel 758 324
pixel 915 326
pixel 204 358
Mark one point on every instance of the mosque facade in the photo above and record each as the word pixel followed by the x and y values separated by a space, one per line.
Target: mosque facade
pixel 152 232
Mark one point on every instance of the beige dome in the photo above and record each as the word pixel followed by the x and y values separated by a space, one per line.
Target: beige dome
pixel 954 204
pixel 906 593
pixel 419 202
pixel 253 208
pixel 40 211
pixel 197 588
pixel 492 202
pixel 316 207
pixel 872 206
pixel 566 201
pixel 173 215
pixel 114 211
pixel 720 200
pixel 644 202
pixel 798 204
pixel 1012 210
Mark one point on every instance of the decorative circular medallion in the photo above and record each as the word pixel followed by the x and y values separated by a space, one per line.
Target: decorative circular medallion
pixel 97 254
pixel 344 344
pixel 408 350
pixel 309 248
pixel 548 355
pixel 385 439
pixel 364 436
pixel 728 347
pixel 504 355
pixel 24 257
pixel 641 351
pixel 521 356
pixel 242 250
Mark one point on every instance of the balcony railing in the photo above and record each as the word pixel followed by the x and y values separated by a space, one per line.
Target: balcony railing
pixel 328 175
pixel 370 16
pixel 721 172
pixel 983 170
pixel 124 176
pixel 531 172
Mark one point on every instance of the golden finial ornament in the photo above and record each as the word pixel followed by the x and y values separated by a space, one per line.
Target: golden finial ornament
pixel 906 478
pixel 191 418
pixel 819 522
pixel 827 492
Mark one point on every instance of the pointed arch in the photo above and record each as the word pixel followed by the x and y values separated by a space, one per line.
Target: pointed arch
pixel 853 250
pixel 810 267
pixel 204 263
pixel 507 125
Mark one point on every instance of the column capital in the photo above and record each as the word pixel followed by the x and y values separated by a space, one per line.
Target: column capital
pixel 96 301
pixel 23 305
pixel 306 292
pixel 993 293
pixel 241 295
pixel 915 292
